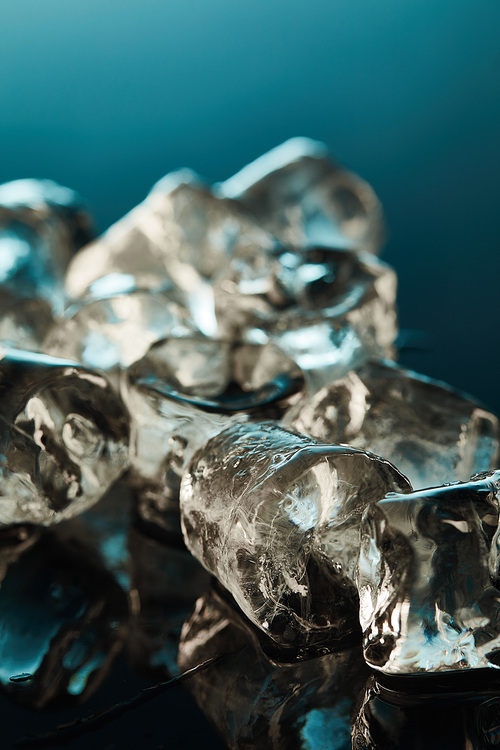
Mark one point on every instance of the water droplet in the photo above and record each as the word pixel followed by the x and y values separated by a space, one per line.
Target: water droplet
pixel 22 677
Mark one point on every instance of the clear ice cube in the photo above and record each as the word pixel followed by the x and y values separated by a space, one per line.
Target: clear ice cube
pixel 327 309
pixel 275 516
pixel 24 321
pixel 116 324
pixel 431 432
pixel 427 578
pixel 63 438
pixel 302 197
pixel 181 233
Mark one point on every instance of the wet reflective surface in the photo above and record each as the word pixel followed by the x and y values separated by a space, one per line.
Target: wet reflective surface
pixel 203 485
pixel 76 643
pixel 255 701
pixel 454 714
pixel 91 616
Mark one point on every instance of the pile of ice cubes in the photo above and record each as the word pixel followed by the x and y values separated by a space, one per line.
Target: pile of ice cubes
pixel 228 351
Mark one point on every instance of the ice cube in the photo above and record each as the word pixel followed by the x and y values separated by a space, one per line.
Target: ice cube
pixel 116 324
pixel 427 575
pixel 41 226
pixel 63 436
pixel 182 233
pixel 327 309
pixel 24 321
pixel 431 432
pixel 302 197
pixel 275 516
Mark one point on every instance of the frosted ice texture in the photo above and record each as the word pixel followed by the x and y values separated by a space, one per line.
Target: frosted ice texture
pixel 255 702
pixel 183 392
pixel 302 197
pixel 427 576
pixel 63 438
pixel 431 432
pixel 275 516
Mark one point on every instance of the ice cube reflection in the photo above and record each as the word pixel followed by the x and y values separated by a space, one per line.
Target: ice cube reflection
pixel 255 702
pixel 62 623
pixel 429 712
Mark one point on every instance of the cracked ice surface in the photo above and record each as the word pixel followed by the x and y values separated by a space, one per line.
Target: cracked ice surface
pixel 275 516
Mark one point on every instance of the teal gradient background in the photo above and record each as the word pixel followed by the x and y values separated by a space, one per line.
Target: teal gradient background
pixel 107 96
